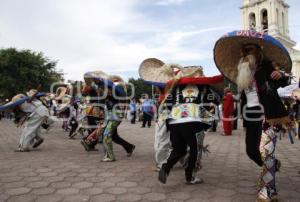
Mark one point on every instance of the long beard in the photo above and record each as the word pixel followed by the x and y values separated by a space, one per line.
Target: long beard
pixel 245 72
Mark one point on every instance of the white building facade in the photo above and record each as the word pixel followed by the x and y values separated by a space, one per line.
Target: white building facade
pixel 271 17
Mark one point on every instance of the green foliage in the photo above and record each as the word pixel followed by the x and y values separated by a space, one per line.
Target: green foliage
pixel 23 70
pixel 140 88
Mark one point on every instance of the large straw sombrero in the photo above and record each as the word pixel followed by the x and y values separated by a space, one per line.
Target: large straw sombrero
pixel 111 81
pixel 155 72
pixel 31 92
pixel 89 76
pixel 18 100
pixel 153 69
pixel 60 93
pixel 15 101
pixel 35 92
pixel 227 51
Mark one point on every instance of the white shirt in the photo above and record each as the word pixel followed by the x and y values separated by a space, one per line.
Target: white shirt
pixel 35 106
pixel 252 97
pixel 27 107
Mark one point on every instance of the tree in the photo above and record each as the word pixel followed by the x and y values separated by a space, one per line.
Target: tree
pixel 140 88
pixel 23 70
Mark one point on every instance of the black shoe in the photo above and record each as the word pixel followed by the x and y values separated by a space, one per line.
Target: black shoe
pixel 142 126
pixel 37 143
pixel 131 151
pixel 162 176
pixel 72 135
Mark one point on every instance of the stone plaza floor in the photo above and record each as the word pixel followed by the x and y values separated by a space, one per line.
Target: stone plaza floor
pixel 61 170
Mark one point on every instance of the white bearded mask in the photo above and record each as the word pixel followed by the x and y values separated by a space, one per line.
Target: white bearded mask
pixel 246 69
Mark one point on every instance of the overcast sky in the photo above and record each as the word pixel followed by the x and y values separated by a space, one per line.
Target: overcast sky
pixel 117 35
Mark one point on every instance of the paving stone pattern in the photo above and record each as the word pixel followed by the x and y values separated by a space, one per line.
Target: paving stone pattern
pixel 60 170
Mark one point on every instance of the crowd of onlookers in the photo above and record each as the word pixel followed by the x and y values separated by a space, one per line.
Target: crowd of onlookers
pixel 142 110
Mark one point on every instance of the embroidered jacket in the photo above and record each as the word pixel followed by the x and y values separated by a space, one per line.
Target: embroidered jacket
pixel 190 103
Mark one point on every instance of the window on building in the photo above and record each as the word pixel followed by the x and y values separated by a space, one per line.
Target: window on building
pixel 252 22
pixel 264 22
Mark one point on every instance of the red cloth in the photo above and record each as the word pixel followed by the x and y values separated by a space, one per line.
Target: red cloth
pixel 228 109
pixel 199 80
pixel 92 138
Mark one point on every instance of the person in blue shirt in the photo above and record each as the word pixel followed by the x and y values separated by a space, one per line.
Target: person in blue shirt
pixel 132 108
pixel 147 109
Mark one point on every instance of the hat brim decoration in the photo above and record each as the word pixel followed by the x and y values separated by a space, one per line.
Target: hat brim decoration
pixel 227 51
pixel 105 79
pixel 215 82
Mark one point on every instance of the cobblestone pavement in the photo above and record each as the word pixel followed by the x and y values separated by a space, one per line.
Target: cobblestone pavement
pixel 60 170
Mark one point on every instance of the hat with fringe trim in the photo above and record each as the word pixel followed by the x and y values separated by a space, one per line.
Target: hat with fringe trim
pixel 227 51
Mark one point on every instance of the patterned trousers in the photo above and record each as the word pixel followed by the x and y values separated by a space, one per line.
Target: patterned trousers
pixel 107 138
pixel 266 183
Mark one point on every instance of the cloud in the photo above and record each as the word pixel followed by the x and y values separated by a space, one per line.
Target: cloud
pixel 110 35
pixel 114 35
pixel 170 2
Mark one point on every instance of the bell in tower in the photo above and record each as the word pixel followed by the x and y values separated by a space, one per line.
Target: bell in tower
pixel 268 16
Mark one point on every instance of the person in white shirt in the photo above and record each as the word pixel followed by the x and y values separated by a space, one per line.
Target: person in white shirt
pixel 37 114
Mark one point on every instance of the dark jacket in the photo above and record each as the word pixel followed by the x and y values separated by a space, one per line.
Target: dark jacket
pixel 266 87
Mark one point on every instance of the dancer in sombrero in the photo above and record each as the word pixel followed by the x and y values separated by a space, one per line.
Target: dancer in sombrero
pixel 30 113
pixel 63 102
pixel 188 100
pixel 256 63
pixel 94 112
pixel 111 92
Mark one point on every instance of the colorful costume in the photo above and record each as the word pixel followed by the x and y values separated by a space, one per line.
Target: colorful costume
pixel 184 112
pixel 260 96
pixel 109 101
pixel 31 113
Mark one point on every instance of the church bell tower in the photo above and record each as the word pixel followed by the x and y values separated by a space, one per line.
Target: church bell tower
pixel 271 17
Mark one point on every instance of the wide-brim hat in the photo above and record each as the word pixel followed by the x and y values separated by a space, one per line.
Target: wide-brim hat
pixel 89 76
pixel 60 93
pixel 227 51
pixel 31 92
pixel 15 101
pixel 154 70
pixel 112 81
